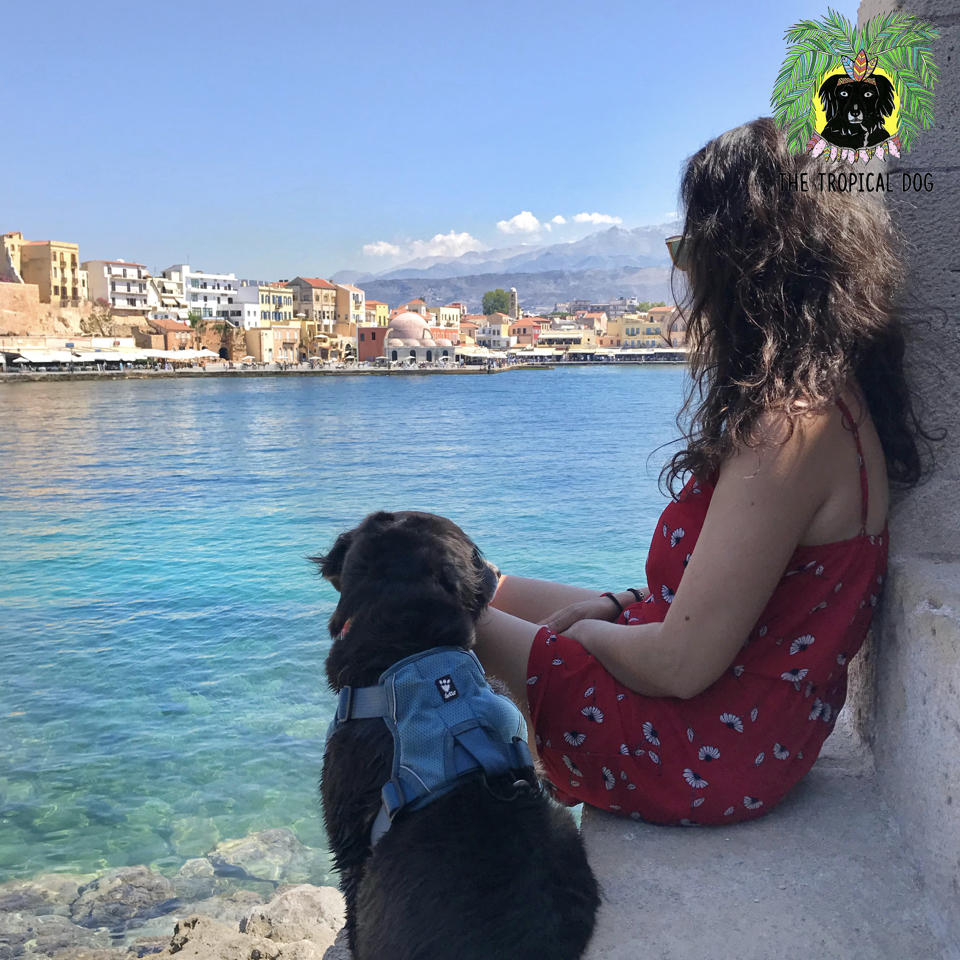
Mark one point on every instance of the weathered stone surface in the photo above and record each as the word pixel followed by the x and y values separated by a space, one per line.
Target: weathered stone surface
pixel 302 912
pixel 196 880
pixel 22 934
pixel 204 939
pixel 227 908
pixel 146 946
pixel 268 855
pixel 122 898
pixel 49 893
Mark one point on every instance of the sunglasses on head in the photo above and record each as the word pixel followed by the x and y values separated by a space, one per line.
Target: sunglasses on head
pixel 679 254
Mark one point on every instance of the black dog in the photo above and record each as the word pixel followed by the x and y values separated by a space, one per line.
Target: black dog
pixel 484 871
pixel 856 110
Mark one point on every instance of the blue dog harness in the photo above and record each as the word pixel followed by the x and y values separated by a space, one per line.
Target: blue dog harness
pixel 446 722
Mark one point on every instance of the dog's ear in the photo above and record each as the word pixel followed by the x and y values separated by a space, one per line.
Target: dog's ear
pixel 828 95
pixel 884 95
pixel 331 564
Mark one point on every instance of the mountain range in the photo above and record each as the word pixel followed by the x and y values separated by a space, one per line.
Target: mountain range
pixel 607 264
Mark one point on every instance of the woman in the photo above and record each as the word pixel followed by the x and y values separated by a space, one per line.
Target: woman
pixel 704 697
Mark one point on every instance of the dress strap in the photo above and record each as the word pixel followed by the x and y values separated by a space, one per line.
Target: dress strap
pixel 864 490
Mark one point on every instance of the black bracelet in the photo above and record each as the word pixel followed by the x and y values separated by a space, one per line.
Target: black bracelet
pixel 615 600
pixel 637 593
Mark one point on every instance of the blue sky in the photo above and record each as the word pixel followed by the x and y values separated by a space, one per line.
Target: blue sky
pixel 275 140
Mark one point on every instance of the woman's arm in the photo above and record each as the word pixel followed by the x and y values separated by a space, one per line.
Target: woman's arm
pixel 764 500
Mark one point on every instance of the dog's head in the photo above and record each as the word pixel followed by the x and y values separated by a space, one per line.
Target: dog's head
pixel 865 103
pixel 397 568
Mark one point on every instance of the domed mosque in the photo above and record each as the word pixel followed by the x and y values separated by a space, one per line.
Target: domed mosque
pixel 409 336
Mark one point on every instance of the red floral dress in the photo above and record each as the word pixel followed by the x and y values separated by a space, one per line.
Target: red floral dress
pixel 734 750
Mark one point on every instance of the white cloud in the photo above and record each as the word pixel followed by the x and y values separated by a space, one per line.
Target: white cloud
pixel 381 249
pixel 559 220
pixel 450 244
pixel 524 222
pixel 596 218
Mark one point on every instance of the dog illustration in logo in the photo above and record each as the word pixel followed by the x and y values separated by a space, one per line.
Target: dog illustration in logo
pixel 857 104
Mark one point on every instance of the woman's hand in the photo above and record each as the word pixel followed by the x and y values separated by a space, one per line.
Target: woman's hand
pixel 598 608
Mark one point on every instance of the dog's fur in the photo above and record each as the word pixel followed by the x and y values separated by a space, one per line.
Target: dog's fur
pixel 471 875
pixel 856 111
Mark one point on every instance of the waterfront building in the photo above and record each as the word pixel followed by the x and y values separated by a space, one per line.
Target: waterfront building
pixel 316 300
pixel 52 266
pixel 446 316
pixel 615 334
pixel 351 311
pixel 460 306
pixel 495 333
pixel 526 330
pixel 176 335
pixel 209 294
pixel 273 300
pixel 597 320
pixel 166 298
pixel 664 321
pixel 414 306
pixel 371 341
pixel 277 343
pixel 633 329
pixel 121 283
pixel 568 336
pixel 409 337
pixel 376 313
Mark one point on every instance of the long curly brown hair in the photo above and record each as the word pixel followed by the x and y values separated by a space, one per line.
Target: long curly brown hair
pixel 790 293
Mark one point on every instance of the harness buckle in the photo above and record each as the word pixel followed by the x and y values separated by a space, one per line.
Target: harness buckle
pixel 393 798
pixel 344 704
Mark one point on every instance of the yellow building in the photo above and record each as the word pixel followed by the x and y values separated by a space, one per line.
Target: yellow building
pixel 276 303
pixel 448 316
pixel 351 310
pixel 573 337
pixel 663 322
pixel 278 343
pixel 316 299
pixel 52 265
pixel 615 335
pixel 377 313
pixel 635 326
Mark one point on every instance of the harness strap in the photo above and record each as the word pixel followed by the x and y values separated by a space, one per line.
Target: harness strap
pixel 864 488
pixel 362 703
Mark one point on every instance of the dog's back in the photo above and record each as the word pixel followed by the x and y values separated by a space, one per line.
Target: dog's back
pixel 489 869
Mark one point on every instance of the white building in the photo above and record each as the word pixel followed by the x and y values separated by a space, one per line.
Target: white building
pixel 121 283
pixel 491 336
pixel 209 294
pixel 165 296
pixel 272 301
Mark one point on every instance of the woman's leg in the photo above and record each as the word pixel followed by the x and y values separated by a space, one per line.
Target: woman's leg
pixel 536 600
pixel 506 631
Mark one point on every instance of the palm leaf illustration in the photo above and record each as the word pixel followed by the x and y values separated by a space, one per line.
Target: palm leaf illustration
pixel 900 42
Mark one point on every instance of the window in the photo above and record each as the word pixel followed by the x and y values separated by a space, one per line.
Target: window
pixel 373 335
pixel 362 337
pixel 56 290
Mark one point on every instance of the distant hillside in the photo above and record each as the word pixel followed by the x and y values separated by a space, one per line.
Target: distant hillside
pixel 536 291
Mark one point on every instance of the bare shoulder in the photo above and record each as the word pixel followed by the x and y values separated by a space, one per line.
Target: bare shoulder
pixel 784 449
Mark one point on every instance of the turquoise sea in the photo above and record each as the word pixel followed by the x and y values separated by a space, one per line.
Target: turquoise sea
pixel 162 634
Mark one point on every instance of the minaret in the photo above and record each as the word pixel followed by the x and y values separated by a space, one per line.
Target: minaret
pixel 514 313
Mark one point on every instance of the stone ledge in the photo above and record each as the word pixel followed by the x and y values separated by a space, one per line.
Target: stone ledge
pixel 824 875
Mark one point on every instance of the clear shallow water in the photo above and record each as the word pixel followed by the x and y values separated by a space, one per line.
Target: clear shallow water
pixel 162 635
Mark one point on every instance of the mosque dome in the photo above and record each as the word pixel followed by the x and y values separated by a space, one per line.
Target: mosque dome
pixel 444 343
pixel 408 326
pixel 395 342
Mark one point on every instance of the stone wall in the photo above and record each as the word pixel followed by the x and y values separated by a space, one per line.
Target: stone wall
pixel 905 686
pixel 22 314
